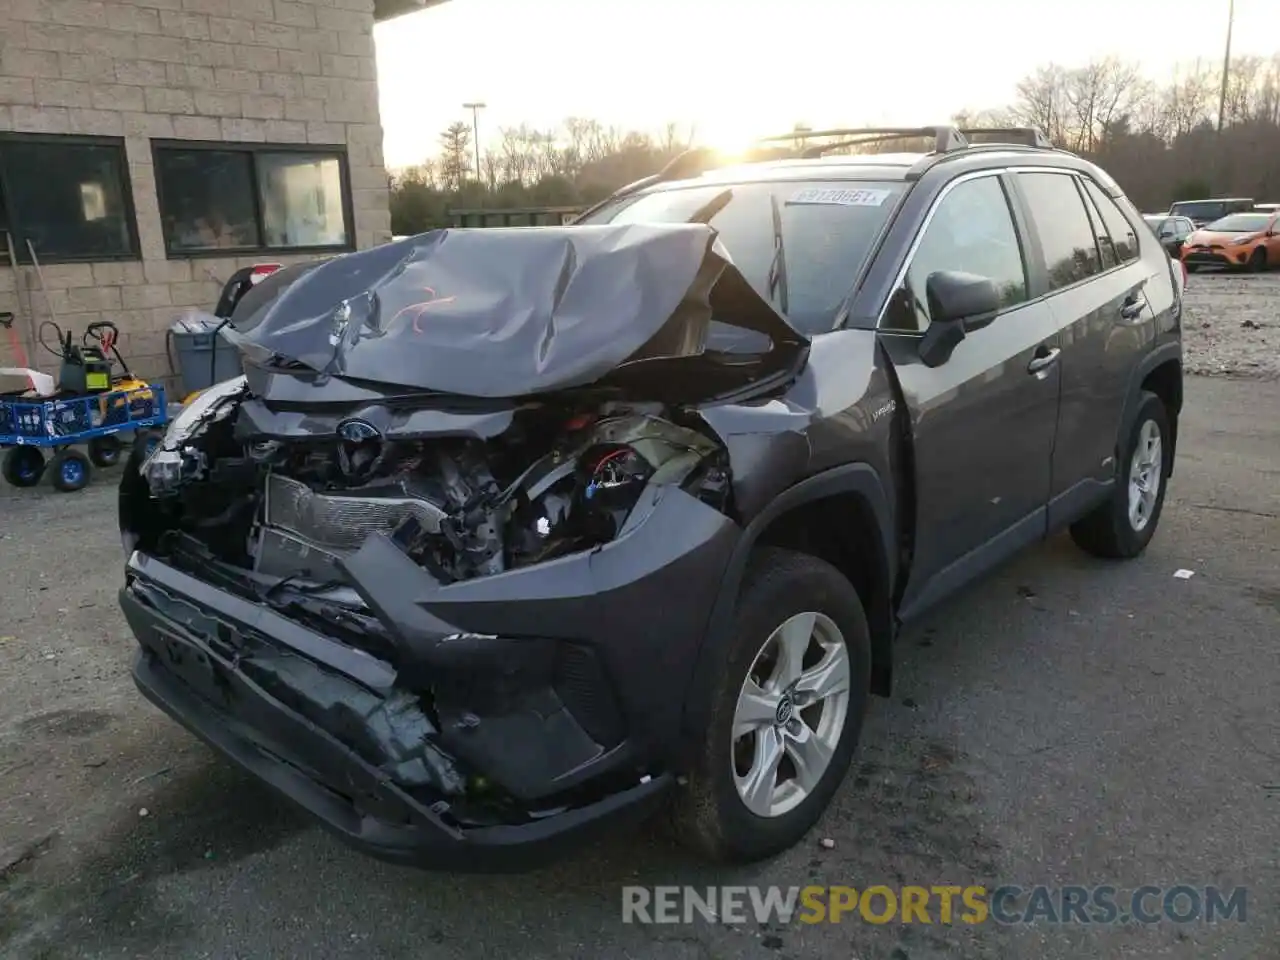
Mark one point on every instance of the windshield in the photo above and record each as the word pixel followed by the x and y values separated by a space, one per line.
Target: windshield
pixel 1241 223
pixel 800 244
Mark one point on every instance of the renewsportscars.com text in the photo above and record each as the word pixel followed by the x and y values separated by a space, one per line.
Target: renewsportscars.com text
pixel 936 904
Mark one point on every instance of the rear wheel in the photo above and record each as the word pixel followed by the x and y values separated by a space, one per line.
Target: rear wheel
pixel 105 451
pixel 1122 527
pixel 71 470
pixel 787 715
pixel 23 466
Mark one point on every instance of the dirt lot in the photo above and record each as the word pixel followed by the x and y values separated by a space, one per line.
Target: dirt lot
pixel 1232 325
pixel 1065 721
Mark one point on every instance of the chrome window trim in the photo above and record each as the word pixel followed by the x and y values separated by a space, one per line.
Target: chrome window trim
pixel 901 275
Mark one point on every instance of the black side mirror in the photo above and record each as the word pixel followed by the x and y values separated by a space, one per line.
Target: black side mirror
pixel 959 303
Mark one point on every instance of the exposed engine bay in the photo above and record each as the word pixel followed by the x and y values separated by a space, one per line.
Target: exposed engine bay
pixel 558 481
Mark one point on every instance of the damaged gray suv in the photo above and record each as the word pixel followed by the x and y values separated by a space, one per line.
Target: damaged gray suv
pixel 509 536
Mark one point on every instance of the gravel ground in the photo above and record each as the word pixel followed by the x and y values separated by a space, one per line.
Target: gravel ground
pixel 1065 721
pixel 1232 325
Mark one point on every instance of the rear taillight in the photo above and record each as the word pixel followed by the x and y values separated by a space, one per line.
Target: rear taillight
pixel 262 271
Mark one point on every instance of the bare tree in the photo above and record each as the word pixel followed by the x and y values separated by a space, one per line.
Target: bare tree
pixel 455 151
pixel 491 164
pixel 517 160
pixel 1190 97
pixel 1041 102
pixel 1098 93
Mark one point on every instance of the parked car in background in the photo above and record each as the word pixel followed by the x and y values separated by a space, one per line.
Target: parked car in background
pixel 1247 240
pixel 1172 232
pixel 1201 212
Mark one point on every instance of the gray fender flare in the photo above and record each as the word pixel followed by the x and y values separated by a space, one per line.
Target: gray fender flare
pixel 1133 395
pixel 854 478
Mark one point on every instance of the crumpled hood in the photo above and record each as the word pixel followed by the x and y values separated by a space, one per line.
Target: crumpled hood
pixel 512 312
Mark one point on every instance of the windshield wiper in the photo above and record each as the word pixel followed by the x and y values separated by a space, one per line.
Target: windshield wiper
pixel 778 268
pixel 706 213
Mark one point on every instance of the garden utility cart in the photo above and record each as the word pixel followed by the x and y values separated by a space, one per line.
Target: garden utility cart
pixel 91 405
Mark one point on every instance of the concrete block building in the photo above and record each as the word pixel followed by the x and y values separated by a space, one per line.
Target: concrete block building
pixel 149 148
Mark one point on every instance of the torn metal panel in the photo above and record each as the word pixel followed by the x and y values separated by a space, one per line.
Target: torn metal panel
pixel 509 312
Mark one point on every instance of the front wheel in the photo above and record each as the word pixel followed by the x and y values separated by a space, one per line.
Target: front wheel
pixel 1122 527
pixel 1258 260
pixel 787 714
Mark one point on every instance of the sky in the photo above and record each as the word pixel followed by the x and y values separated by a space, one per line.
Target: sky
pixel 738 69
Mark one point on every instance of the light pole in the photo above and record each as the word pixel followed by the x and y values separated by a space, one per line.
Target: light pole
pixel 1216 164
pixel 475 109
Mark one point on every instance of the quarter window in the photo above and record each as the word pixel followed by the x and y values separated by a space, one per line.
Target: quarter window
pixel 235 198
pixel 971 230
pixel 1106 248
pixel 1070 250
pixel 1123 237
pixel 68 196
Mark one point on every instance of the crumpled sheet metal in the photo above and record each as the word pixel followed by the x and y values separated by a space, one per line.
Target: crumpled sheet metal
pixel 499 312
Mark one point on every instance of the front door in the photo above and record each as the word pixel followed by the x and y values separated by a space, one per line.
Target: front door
pixel 983 421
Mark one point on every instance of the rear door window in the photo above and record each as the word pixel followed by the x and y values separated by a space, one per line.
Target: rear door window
pixel 1123 237
pixel 1066 234
pixel 1106 248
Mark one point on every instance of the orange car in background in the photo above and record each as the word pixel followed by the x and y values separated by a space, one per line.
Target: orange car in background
pixel 1240 240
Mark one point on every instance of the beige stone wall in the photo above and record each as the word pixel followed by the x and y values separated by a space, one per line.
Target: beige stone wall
pixel 275 71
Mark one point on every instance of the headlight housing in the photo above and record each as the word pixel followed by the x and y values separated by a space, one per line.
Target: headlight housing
pixel 166 465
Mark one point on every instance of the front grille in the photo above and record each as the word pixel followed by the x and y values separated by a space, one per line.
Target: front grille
pixel 340 522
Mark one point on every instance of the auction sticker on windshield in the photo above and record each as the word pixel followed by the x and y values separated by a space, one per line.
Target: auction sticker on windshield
pixel 865 197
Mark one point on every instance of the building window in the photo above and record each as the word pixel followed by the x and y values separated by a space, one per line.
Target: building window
pixel 237 198
pixel 68 196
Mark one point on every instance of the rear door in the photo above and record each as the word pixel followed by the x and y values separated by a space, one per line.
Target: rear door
pixel 1097 294
pixel 983 421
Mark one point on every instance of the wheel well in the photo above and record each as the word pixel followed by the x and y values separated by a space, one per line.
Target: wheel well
pixel 1165 381
pixel 842 530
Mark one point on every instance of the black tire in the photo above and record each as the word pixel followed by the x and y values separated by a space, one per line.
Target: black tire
pixel 708 813
pixel 1258 260
pixel 1108 531
pixel 1192 267
pixel 23 466
pixel 70 470
pixel 105 451
pixel 147 440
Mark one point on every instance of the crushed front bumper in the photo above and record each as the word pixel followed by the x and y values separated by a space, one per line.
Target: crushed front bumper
pixel 559 689
pixel 188 678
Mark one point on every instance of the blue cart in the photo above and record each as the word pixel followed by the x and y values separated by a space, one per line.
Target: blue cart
pixel 29 426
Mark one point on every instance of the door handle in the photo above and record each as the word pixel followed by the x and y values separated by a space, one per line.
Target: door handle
pixel 1133 307
pixel 1043 361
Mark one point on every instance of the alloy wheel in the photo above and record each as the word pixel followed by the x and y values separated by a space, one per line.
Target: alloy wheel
pixel 1146 473
pixel 790 714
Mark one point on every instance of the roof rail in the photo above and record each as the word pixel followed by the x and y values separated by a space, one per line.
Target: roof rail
pixel 945 138
pixel 1023 136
